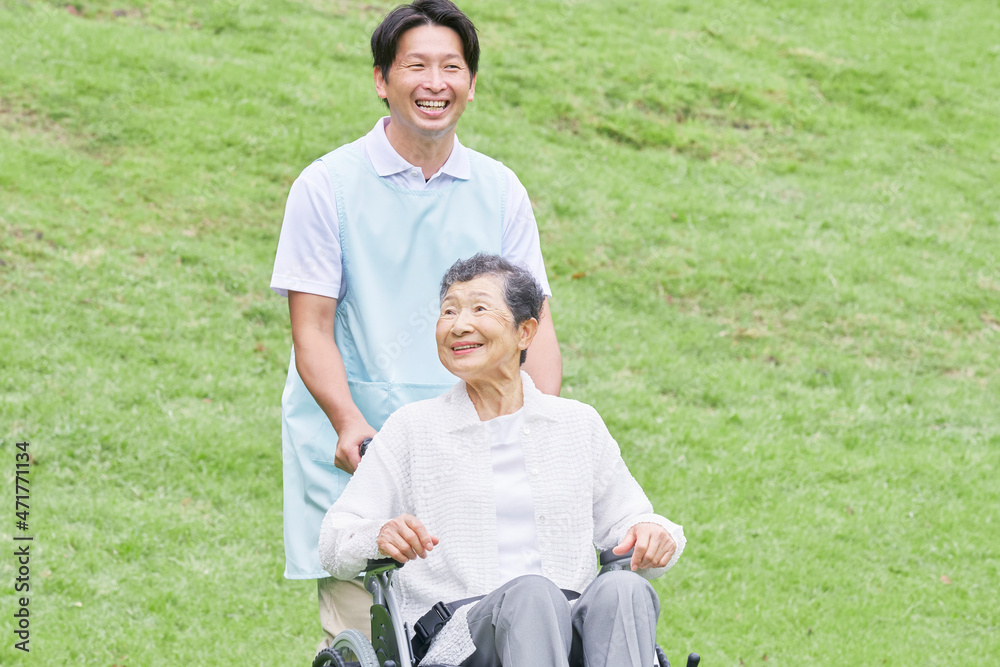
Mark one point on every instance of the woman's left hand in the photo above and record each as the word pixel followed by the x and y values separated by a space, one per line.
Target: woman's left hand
pixel 653 546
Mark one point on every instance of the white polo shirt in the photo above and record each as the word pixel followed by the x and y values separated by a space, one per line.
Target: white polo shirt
pixel 311 221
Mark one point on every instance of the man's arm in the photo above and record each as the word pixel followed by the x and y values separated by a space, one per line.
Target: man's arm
pixel 321 368
pixel 520 245
pixel 544 362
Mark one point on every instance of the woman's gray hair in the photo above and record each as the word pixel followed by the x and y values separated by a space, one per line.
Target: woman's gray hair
pixel 521 292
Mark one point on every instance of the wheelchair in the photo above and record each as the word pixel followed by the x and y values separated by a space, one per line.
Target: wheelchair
pixel 391 646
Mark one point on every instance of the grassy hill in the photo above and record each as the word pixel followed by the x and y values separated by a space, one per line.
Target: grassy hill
pixel 772 233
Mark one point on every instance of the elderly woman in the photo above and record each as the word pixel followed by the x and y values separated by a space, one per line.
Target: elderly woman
pixel 497 490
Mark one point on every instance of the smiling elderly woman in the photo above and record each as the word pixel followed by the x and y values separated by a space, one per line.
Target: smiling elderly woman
pixel 497 490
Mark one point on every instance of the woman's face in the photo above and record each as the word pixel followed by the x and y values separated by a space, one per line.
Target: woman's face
pixel 476 336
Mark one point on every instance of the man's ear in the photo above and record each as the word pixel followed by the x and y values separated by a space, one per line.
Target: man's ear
pixel 472 89
pixel 379 82
pixel 526 333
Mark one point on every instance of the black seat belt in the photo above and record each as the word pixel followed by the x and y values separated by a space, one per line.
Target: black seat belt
pixel 430 624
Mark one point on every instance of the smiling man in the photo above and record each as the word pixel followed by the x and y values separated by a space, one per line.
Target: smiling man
pixel 369 230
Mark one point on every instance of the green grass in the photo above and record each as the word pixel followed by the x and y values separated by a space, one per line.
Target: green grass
pixel 771 230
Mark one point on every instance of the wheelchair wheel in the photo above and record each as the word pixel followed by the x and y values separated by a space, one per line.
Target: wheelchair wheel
pixel 354 647
pixel 329 657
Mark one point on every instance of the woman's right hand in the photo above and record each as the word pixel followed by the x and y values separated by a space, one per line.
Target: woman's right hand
pixel 405 538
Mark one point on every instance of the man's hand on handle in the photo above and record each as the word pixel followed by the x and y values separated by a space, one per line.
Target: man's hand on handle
pixel 349 445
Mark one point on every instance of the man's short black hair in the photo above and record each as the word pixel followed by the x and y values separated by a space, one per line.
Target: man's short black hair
pixel 385 39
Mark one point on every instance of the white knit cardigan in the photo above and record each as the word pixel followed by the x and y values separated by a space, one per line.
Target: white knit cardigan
pixel 432 460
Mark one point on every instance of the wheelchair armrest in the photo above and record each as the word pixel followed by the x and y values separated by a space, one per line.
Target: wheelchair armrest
pixel 609 556
pixel 382 564
pixel 377 576
pixel 610 561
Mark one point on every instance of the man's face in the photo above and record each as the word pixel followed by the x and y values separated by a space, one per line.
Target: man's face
pixel 429 83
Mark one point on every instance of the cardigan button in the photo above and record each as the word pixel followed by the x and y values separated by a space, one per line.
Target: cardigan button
pixel 526 430
pixel 534 471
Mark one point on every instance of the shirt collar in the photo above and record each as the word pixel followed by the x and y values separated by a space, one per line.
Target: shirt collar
pixel 387 161
pixel 465 416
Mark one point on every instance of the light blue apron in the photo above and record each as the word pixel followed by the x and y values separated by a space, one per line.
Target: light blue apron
pixel 396 246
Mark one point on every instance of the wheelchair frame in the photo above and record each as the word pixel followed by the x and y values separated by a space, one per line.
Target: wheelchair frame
pixel 390 646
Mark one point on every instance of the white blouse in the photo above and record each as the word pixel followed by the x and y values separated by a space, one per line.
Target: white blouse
pixel 517 535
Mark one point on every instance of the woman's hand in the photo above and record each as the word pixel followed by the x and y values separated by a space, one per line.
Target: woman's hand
pixel 405 538
pixel 653 546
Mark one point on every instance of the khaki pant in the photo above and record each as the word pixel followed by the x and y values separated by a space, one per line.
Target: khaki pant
pixel 342 605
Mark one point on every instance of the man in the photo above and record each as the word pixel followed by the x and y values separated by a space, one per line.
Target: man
pixel 369 230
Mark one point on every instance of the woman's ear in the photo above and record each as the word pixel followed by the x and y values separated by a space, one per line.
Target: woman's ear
pixel 526 332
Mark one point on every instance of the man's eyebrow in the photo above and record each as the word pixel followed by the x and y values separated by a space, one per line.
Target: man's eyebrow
pixel 424 56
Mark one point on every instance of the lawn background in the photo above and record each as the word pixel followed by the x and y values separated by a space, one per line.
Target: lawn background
pixel 771 230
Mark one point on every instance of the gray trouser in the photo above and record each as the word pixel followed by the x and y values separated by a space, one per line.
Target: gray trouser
pixel 527 622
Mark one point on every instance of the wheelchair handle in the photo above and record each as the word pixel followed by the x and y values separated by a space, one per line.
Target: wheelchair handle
pixel 364 445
